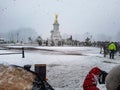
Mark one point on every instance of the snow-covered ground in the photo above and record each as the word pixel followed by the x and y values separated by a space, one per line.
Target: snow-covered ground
pixel 66 66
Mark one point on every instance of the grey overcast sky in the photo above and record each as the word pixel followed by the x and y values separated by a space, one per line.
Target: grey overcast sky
pixel 74 16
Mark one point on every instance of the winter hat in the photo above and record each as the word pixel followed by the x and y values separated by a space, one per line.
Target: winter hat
pixel 95 71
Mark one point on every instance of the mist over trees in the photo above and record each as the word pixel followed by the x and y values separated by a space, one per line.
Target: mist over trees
pixel 20 35
pixel 30 35
pixel 97 37
pixel 117 36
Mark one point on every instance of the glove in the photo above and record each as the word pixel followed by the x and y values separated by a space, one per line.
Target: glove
pixel 102 77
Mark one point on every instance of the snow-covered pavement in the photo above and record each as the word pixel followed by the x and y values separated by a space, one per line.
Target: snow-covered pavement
pixel 66 66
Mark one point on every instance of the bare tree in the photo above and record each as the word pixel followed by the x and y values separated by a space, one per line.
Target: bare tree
pixel 39 40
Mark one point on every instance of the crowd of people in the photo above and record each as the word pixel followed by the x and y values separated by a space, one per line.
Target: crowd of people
pixel 110 48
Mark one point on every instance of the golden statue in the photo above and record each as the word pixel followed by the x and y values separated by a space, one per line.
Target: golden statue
pixel 56 19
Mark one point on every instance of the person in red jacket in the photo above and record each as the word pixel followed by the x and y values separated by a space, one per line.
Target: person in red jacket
pixel 90 82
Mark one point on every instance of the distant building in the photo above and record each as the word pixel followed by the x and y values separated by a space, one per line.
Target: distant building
pixel 55 33
pixel 2 40
pixel 56 38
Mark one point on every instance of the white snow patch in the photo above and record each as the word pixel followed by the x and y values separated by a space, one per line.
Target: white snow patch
pixel 66 66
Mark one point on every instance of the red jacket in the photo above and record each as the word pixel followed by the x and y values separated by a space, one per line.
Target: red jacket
pixel 90 82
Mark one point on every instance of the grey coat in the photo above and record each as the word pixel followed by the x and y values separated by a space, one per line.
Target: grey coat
pixel 113 78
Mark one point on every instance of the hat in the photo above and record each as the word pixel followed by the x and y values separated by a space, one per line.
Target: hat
pixel 95 71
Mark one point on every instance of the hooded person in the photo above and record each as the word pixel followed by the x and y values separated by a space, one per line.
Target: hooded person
pixel 13 77
pixel 90 82
pixel 113 79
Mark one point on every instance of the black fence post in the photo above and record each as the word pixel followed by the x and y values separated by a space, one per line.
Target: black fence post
pixel 23 54
pixel 41 70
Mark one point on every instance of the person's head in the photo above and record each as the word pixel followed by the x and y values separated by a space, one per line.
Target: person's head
pixel 96 71
pixel 112 42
